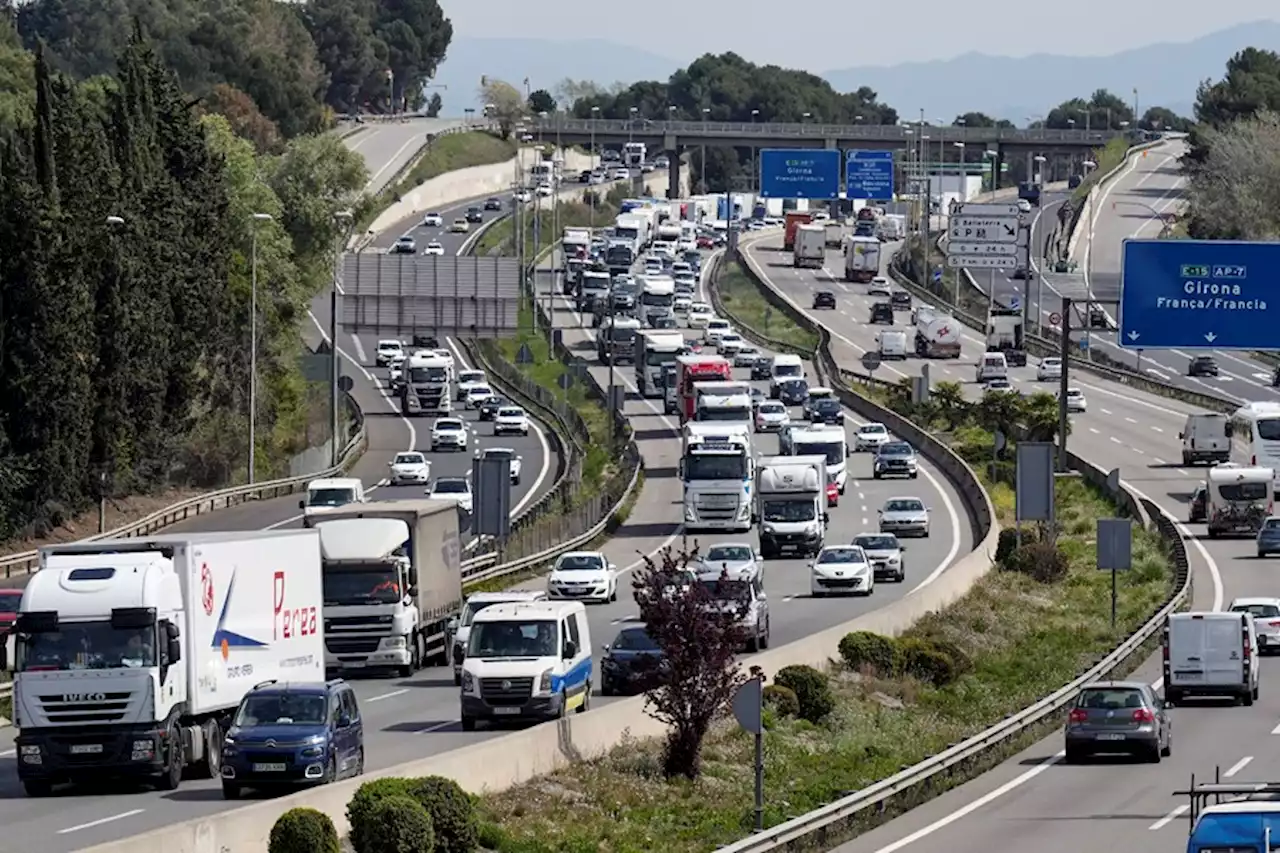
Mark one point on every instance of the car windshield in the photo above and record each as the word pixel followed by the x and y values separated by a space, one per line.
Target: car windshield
pixel 634 640
pixel 1268 429
pixel 9 603
pixel 1269 524
pixel 511 413
pixel 579 562
pixel 448 426
pixel 87 645
pixel 1110 698
pixel 330 497
pixel 471 376
pixel 896 449
pixel 281 709
pixel 793 386
pixel 535 639
pixel 772 408
pixel 473 607
pixel 832 450
pixel 420 375
pixel 783 370
pixel 903 506
pixel 730 554
pixel 1259 610
pixel 499 453
pixel 480 391
pixel 410 459
pixel 872 429
pixel 827 406
pixel 348 584
pixel 842 555
pixel 876 543
pixel 450 487
pixel 716 467
pixel 788 511
pixel 1051 362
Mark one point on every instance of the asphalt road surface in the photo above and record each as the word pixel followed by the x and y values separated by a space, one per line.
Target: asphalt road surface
pixel 387 146
pixel 1033 800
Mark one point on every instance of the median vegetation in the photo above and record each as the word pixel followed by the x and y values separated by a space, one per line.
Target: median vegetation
pixel 746 306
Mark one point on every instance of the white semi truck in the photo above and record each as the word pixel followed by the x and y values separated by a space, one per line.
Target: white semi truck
pixel 830 442
pixel 791 501
pixel 861 258
pixel 937 333
pixel 392 579
pixel 655 348
pixel 133 654
pixel 723 403
pixel 657 298
pixel 717 470
pixel 810 246
pixel 426 386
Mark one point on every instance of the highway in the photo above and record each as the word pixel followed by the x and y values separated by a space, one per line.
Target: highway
pixel 388 145
pixel 1033 800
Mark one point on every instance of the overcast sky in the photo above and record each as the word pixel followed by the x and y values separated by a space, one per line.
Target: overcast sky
pixel 858 33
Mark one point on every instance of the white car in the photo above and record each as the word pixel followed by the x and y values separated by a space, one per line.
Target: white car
pixel 449 434
pixel 729 343
pixel 387 351
pixel 700 313
pixel 841 569
pixel 522 195
pixel 745 356
pixel 652 266
pixel 771 416
pixel 879 287
pixel 621 174
pixel 433 248
pixel 447 357
pixel 870 438
pixel 1266 616
pixel 505 453
pixel 433 220
pixel 460 226
pixel 1076 401
pixel 731 560
pixel 682 303
pixel 411 468
pixel 584 576
pixel 456 489
pixel 477 394
pixel 1024 205
pixel 544 190
pixel 510 420
pixel 998 386
pixel 1050 369
pixel 714 330
pixel 468 379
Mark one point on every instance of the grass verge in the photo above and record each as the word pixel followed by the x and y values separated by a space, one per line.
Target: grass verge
pixel 1107 157
pixel 448 153
pixel 745 303
pixel 1013 639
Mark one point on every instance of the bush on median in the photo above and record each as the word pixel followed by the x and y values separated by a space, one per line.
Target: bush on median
pixel 451 810
pixel 303 831
pixel 399 824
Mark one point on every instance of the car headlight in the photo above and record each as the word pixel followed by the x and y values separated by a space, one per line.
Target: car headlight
pixel 811 529
pixel 544 682
pixel 468 682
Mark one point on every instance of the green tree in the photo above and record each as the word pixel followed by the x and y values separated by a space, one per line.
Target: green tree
pixel 415 35
pixel 502 103
pixel 1163 119
pixel 1101 111
pixel 353 56
pixel 980 120
pixel 435 105
pixel 541 101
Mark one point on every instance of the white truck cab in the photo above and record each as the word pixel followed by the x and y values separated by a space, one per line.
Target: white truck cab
pixel 791 496
pixel 1211 654
pixel 526 661
pixel 459 628
pixel 324 496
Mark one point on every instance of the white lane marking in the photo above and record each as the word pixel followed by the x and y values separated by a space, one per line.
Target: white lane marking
pixel 390 695
pixel 434 728
pixel 1157 429
pixel 101 821
pixel 1219 594
pixel 373 179
pixel 1276 730
pixel 8 752
pixel 359 348
pixel 1178 811
pixel 1237 767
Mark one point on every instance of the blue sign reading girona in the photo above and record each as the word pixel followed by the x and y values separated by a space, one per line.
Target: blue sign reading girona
pixel 1198 294
pixel 800 173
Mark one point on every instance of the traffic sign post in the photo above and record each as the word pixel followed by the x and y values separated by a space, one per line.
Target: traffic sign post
pixel 1055 318
pixel 985 236
pixel 868 175
pixel 800 173
pixel 1198 294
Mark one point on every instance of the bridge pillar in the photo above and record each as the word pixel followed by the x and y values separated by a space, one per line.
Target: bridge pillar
pixel 673 172
pixel 997 167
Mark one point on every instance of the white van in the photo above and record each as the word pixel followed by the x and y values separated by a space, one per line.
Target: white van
pixel 526 661
pixel 1206 437
pixel 459 627
pixel 328 494
pixel 892 344
pixel 1211 654
pixel 992 365
pixel 787 366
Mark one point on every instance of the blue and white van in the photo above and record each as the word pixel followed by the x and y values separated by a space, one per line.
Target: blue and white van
pixel 1238 827
pixel 526 661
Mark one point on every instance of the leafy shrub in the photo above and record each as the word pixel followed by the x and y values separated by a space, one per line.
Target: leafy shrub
pixel 864 648
pixel 782 700
pixel 1006 544
pixel 1041 561
pixel 360 808
pixel 304 831
pixel 399 824
pixel 959 657
pixel 452 811
pixel 812 689
pixel 921 660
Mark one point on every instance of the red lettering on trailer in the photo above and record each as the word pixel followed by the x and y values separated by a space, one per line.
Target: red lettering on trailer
pixel 290 622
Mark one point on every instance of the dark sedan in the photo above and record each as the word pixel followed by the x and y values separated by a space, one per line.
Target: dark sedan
pixel 475 215
pixel 824 299
pixel 630 663
pixel 900 300
pixel 793 392
pixel 763 368
pixel 493 204
pixel 826 412
pixel 1202 365
pixel 882 312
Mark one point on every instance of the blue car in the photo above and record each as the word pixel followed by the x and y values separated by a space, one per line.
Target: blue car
pixel 286 735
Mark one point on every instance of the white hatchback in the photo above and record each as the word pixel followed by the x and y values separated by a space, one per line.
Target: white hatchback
pixel 1076 401
pixel 1050 369
pixel 700 313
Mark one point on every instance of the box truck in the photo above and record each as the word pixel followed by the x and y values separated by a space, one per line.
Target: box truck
pixel 810 246
pixel 133 654
pixel 392 579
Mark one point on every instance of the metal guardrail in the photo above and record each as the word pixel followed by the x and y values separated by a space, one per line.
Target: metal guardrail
pixel 6 690
pixel 782 131
pixel 26 562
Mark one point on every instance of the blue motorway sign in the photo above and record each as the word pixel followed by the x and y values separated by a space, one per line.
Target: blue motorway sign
pixel 868 175
pixel 799 173
pixel 1206 294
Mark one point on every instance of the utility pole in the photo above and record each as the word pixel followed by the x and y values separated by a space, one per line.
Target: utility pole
pixel 1065 353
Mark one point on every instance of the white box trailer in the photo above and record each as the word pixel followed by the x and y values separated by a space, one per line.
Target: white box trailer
pixel 134 653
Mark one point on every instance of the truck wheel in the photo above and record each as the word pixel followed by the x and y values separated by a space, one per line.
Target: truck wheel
pixel 212 734
pixel 171 777
pixel 37 787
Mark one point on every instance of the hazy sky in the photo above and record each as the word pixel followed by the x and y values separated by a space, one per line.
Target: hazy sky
pixel 857 33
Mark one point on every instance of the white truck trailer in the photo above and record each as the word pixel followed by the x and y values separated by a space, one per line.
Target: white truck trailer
pixel 655 348
pixel 810 246
pixel 392 580
pixel 133 654
pixel 861 258
pixel 791 501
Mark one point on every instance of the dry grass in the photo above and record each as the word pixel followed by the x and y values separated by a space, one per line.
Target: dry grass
pixel 1024 638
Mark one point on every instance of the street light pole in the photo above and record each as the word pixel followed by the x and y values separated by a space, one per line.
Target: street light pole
pixel 253 341
pixel 343 218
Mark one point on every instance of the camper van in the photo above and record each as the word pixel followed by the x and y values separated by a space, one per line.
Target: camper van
pixel 1238 499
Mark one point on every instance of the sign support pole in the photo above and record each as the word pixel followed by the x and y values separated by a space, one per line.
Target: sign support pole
pixel 1065 353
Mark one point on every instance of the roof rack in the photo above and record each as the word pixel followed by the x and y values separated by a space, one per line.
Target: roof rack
pixel 1217 791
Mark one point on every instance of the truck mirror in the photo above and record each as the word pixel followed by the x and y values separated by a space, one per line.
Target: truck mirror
pixel 174 649
pixel 344 721
pixel 1181 436
pixel 453 625
pixel 826 518
pixel 570 649
pixel 302 504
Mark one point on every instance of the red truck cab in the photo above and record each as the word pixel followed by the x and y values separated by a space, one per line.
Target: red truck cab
pixel 691 369
pixel 793 220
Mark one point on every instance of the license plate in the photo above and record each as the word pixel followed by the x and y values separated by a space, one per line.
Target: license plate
pixel 1111 736
pixel 506 711
pixel 86 748
pixel 268 768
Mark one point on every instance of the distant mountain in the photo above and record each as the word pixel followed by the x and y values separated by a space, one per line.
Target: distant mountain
pixel 1165 75
pixel 544 62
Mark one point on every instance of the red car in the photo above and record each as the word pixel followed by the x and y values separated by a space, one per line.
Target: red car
pixel 9 600
pixel 833 494
pixel 705 242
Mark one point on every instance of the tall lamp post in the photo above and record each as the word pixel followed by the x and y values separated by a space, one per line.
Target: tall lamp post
pixel 344 220
pixel 255 220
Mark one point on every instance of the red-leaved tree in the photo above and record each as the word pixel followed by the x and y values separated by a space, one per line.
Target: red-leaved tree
pixel 698 627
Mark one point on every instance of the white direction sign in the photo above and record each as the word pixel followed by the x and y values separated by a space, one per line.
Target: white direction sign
pixel 1002 211
pixel 1006 249
pixel 980 262
pixel 983 229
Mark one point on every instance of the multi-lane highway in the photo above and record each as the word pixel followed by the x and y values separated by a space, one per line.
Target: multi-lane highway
pixel 1033 800
pixel 388 145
